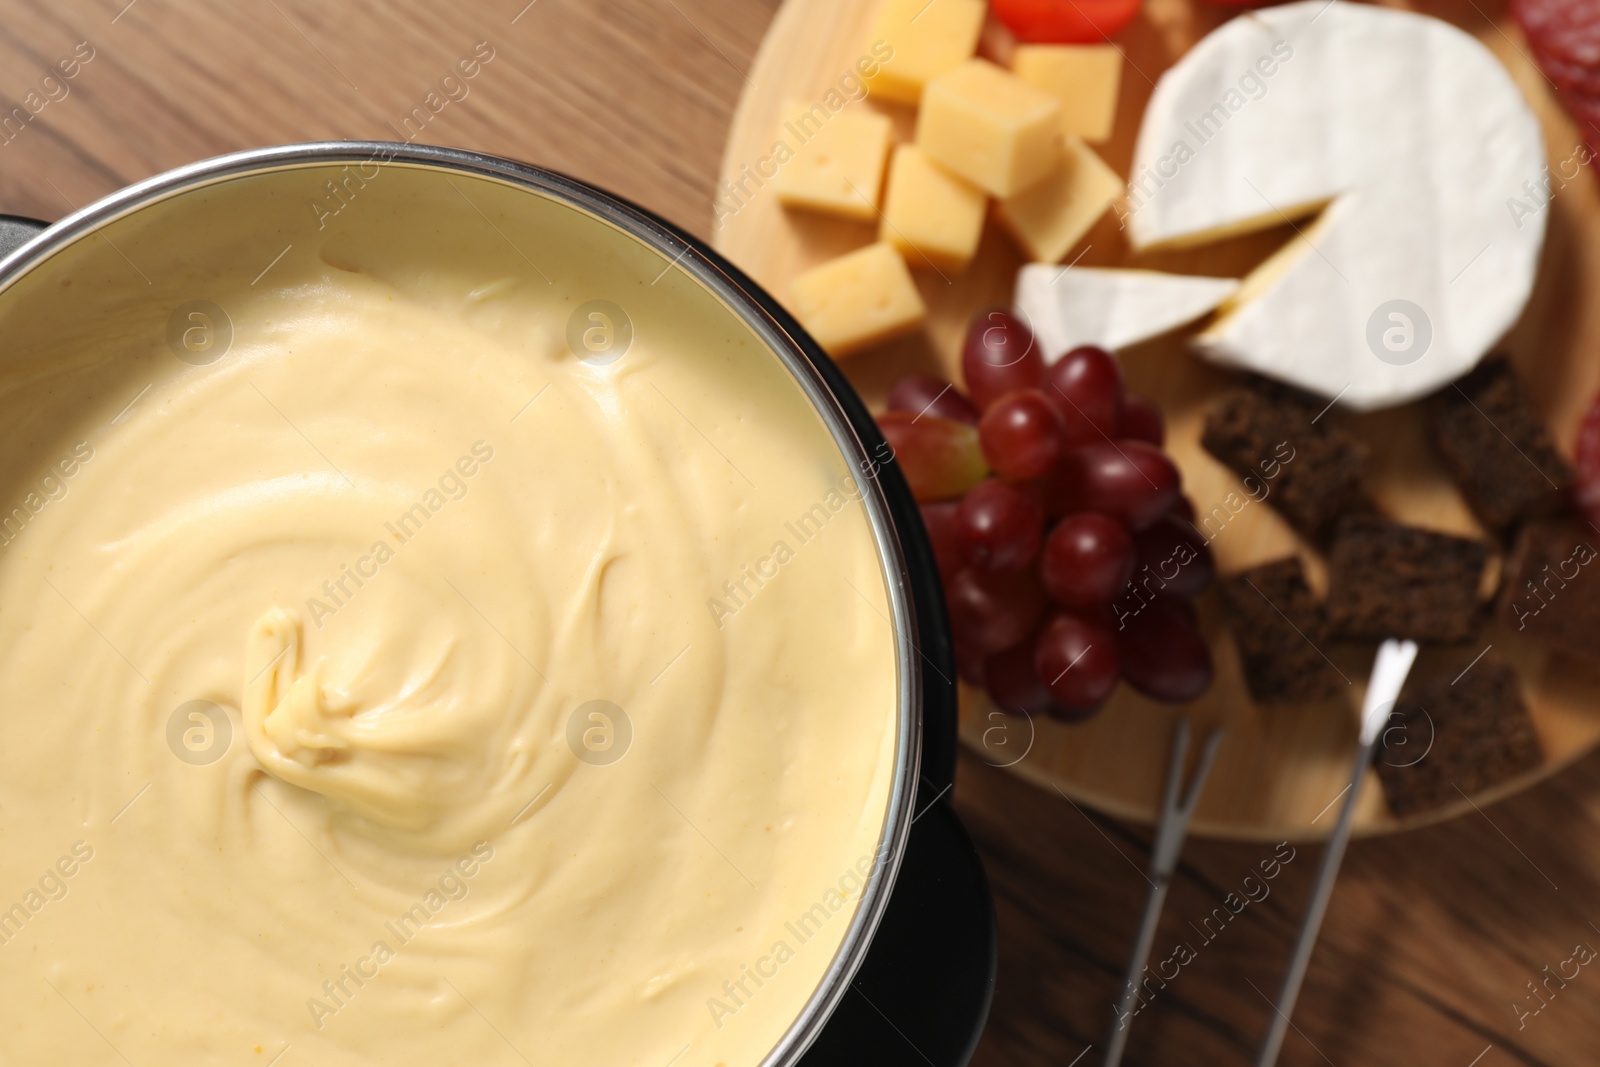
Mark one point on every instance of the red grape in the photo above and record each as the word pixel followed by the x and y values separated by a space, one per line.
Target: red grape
pixel 1185 608
pixel 1183 508
pixel 924 394
pixel 1143 590
pixel 999 357
pixel 1000 526
pixel 969 664
pixel 1142 421
pixel 1020 435
pixel 1129 480
pixel 1077 660
pixel 991 611
pixel 1085 385
pixel 1063 491
pixel 1176 556
pixel 1012 682
pixel 1088 558
pixel 940 458
pixel 1163 655
pixel 1062 713
pixel 940 519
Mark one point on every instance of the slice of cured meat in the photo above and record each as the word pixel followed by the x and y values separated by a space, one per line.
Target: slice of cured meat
pixel 1586 457
pixel 1569 77
pixel 1565 35
pixel 1565 29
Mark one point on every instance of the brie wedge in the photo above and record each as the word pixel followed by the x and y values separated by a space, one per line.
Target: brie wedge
pixel 1394 143
pixel 1111 309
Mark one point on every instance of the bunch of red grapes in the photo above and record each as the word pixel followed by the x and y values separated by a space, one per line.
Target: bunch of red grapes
pixel 1066 547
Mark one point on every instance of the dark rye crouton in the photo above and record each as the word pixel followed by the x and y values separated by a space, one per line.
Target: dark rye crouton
pixel 1456 733
pixel 1391 580
pixel 1496 448
pixel 1271 436
pixel 1552 587
pixel 1280 626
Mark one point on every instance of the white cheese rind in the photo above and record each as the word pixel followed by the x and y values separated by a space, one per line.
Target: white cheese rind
pixel 1109 308
pixel 1419 137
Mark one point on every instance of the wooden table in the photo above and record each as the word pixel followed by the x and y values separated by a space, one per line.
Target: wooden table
pixel 1432 936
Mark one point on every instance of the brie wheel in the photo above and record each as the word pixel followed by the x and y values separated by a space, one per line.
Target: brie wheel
pixel 1109 308
pixel 1413 136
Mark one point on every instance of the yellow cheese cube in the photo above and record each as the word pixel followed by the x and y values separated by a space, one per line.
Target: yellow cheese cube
pixel 1084 77
pixel 930 215
pixel 858 300
pixel 925 39
pixel 838 160
pixel 990 127
pixel 1048 219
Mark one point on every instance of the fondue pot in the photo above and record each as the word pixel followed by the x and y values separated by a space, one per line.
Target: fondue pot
pixel 912 981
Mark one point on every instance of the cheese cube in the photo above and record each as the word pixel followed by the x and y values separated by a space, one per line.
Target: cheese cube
pixel 838 160
pixel 930 215
pixel 1048 219
pixel 1084 77
pixel 925 38
pixel 858 300
pixel 990 127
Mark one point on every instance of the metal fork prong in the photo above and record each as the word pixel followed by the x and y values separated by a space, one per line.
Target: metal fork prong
pixel 1177 809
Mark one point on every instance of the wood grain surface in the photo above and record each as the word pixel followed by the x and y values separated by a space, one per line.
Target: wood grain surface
pixel 1277 768
pixel 1432 935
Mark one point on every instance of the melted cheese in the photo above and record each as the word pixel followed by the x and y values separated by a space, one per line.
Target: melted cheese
pixel 398 687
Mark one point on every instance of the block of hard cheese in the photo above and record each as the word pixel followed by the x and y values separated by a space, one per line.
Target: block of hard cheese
pixel 838 165
pixel 1049 218
pixel 991 127
pixel 924 40
pixel 858 300
pixel 932 216
pixel 1084 77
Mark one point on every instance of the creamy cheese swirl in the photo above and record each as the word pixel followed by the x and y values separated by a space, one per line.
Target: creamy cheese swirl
pixel 399 686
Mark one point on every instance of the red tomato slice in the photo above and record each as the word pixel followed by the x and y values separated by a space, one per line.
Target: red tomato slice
pixel 1065 21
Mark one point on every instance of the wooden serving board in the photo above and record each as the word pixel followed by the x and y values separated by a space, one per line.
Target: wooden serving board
pixel 1278 770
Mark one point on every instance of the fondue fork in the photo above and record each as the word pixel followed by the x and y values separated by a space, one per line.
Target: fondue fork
pixel 1389 672
pixel 1171 833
